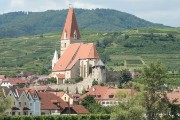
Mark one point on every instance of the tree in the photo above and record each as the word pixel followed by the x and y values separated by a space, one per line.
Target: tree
pixel 126 76
pixel 5 103
pixel 130 107
pixel 78 79
pixel 94 82
pixel 156 102
pixel 90 103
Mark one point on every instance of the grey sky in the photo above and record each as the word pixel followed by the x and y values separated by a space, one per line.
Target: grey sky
pixel 159 11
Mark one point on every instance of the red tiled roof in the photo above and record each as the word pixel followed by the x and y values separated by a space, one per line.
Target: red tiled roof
pixel 2 76
pixel 60 76
pixel 59 94
pixel 79 109
pixel 104 93
pixel 74 53
pixel 71 26
pixel 48 101
pixel 15 81
pixel 174 95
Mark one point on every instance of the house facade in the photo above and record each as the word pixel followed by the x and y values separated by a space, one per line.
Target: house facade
pixel 107 96
pixel 23 103
pixel 77 59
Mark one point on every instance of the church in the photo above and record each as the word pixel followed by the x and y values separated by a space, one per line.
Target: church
pixel 77 59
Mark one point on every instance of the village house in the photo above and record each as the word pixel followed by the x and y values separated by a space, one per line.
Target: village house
pixel 77 59
pixel 174 95
pixel 51 104
pixel 75 109
pixel 30 102
pixel 9 82
pixel 2 77
pixel 23 103
pixel 72 99
pixel 106 96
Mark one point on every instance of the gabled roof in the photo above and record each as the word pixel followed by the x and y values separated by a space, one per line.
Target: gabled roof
pixel 75 109
pixel 79 109
pixel 59 94
pixel 71 26
pixel 60 76
pixel 48 101
pixel 104 93
pixel 73 53
pixel 15 81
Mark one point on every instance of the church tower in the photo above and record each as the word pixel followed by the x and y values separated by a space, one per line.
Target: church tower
pixel 55 59
pixel 71 32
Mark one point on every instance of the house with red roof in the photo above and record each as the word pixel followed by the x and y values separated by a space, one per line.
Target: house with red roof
pixel 24 102
pixel 13 82
pixel 50 103
pixel 77 59
pixel 106 96
pixel 2 77
pixel 72 99
pixel 75 109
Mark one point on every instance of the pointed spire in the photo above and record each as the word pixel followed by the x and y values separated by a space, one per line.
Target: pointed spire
pixel 55 55
pixel 71 30
pixel 55 59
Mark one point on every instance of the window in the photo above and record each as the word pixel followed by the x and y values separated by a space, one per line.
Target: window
pixel 19 113
pixel 14 103
pixel 13 113
pixel 103 102
pixel 65 35
pixel 64 44
pixel 30 104
pixel 65 98
pixel 24 103
pixel 75 35
pixel 107 102
pixel 111 96
pixel 19 104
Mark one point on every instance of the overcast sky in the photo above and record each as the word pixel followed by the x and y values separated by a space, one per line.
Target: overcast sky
pixel 159 11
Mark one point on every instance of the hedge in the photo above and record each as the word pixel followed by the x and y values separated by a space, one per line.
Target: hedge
pixel 59 117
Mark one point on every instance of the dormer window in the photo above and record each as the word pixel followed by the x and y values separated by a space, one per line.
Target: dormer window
pixel 75 34
pixel 65 35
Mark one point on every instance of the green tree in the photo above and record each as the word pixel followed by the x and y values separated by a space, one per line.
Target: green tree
pixel 154 77
pixel 94 82
pixel 130 107
pixel 5 103
pixel 90 103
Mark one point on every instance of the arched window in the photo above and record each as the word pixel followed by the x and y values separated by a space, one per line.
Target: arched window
pixel 75 34
pixel 65 35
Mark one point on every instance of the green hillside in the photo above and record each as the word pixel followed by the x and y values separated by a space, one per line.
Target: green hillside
pixel 119 50
pixel 16 24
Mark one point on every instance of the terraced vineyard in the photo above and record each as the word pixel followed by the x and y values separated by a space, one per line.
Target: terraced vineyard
pixel 119 50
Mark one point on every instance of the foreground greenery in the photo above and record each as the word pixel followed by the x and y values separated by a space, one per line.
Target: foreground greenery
pixel 59 117
pixel 4 103
pixel 16 24
pixel 151 102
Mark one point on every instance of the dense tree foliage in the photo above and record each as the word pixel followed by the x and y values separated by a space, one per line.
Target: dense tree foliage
pixel 28 23
pixel 5 103
pixel 94 107
pixel 129 108
pixel 151 101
